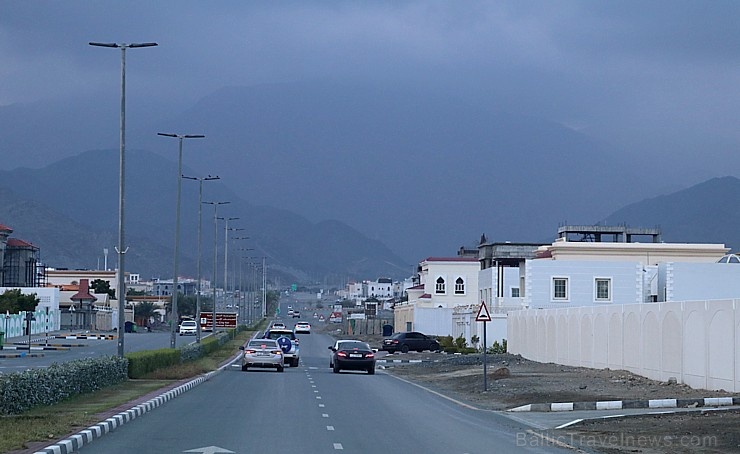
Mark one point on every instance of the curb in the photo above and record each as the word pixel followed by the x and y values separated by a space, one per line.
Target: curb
pixel 21 355
pixel 84 437
pixel 398 361
pixel 626 404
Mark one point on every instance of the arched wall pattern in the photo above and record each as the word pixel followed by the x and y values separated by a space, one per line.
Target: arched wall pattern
pixel 697 342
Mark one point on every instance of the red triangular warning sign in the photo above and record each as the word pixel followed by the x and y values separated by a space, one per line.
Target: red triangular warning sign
pixel 483 315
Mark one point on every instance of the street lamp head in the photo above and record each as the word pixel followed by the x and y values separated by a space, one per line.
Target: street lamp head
pixel 181 136
pixel 123 45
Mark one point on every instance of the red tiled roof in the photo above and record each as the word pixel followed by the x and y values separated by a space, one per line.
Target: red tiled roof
pixel 83 294
pixel 15 242
pixel 5 227
pixel 426 295
pixel 450 259
pixel 416 287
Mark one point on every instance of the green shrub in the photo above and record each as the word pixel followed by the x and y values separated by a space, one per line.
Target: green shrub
pixel 143 362
pixel 497 348
pixel 450 350
pixel 445 341
pixel 21 391
pixel 460 342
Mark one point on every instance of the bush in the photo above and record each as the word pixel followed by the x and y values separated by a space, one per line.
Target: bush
pixel 22 391
pixel 143 362
pixel 445 342
pixel 460 342
pixel 497 348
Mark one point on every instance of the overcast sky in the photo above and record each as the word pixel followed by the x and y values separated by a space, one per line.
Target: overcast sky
pixel 635 72
pixel 658 80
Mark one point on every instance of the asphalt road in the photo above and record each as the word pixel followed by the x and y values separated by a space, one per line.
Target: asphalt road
pixel 311 409
pixel 88 348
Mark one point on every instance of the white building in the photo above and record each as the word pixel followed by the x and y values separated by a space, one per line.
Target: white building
pixel 444 283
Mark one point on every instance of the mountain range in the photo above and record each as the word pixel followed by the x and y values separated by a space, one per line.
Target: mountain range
pixel 332 180
pixel 69 210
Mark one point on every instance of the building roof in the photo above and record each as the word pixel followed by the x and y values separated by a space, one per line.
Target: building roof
pixel 451 259
pixel 416 287
pixel 83 294
pixel 426 295
pixel 15 242
pixel 5 228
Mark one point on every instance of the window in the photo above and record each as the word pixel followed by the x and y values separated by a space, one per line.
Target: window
pixel 560 288
pixel 603 289
pixel 459 286
pixel 515 292
pixel 440 286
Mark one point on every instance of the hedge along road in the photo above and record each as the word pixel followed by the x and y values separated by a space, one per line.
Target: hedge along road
pixel 85 348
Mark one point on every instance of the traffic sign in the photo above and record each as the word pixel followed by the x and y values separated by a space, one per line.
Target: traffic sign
pixel 285 344
pixel 483 314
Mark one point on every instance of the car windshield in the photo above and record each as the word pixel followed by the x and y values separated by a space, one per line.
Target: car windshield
pixel 351 345
pixel 188 323
pixel 268 343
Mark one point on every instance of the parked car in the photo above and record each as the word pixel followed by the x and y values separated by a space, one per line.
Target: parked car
pixel 302 328
pixel 188 327
pixel 262 353
pixel 352 355
pixel 410 340
pixel 288 343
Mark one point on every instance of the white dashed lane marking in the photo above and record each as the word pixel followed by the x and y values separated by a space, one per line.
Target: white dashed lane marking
pixel 329 427
pixel 324 415
pixel 322 405
pixel 338 446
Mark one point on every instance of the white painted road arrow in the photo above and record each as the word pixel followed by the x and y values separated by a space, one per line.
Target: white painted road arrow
pixel 211 450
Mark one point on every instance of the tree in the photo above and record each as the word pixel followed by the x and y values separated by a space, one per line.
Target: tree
pixel 14 302
pixel 186 305
pixel 101 286
pixel 134 292
pixel 145 311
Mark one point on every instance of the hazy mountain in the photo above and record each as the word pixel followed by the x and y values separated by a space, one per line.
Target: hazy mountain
pixel 419 170
pixel 70 209
pixel 704 213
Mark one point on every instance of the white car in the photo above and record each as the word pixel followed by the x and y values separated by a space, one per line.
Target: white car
pixel 278 325
pixel 188 327
pixel 302 327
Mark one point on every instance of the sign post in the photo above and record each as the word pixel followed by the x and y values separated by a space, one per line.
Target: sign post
pixel 485 317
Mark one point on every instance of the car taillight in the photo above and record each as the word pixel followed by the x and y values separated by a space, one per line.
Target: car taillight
pixel 370 355
pixel 250 351
pixel 341 354
pixel 395 341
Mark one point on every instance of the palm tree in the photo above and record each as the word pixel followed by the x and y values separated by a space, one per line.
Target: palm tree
pixel 144 311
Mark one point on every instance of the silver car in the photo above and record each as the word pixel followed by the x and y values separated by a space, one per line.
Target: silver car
pixel 262 353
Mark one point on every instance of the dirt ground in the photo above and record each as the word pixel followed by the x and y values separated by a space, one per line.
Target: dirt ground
pixel 514 381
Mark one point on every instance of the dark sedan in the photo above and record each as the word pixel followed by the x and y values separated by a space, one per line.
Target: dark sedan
pixel 352 355
pixel 411 340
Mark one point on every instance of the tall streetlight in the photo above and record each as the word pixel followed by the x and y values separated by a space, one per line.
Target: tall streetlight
pixel 200 181
pixel 226 253
pixel 233 272
pixel 242 304
pixel 121 250
pixel 215 254
pixel 176 318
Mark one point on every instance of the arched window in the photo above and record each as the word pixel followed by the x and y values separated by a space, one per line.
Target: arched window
pixel 440 286
pixel 459 286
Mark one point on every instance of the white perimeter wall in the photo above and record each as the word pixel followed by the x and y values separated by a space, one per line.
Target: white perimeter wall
pixel 694 341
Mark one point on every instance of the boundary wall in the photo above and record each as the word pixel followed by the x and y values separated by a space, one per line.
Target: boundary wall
pixel 694 341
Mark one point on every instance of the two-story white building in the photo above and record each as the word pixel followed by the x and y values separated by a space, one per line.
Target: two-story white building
pixel 444 283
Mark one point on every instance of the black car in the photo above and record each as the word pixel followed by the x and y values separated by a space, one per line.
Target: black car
pixel 411 340
pixel 352 355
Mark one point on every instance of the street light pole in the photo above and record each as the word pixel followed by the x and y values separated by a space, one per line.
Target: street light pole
pixel 226 254
pixel 215 255
pixel 175 316
pixel 233 272
pixel 121 250
pixel 200 229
